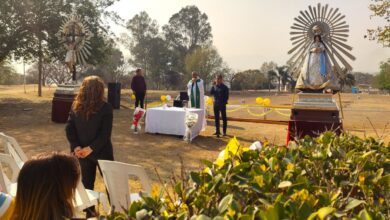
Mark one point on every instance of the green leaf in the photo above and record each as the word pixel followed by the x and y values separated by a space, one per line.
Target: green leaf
pixel 134 207
pixel 195 177
pixel 304 211
pixel 339 214
pixel 203 217
pixel 225 202
pixel 368 153
pixel 364 215
pixel 353 203
pixel 325 211
pixel 270 213
pixel 245 217
pixel 312 216
pixel 178 188
pixel 265 202
pixel 284 184
pixel 208 163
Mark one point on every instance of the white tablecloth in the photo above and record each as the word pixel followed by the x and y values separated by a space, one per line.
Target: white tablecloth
pixel 171 121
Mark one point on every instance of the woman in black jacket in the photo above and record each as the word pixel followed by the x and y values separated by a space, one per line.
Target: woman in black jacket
pixel 89 130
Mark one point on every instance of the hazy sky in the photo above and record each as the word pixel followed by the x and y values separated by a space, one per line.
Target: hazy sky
pixel 249 32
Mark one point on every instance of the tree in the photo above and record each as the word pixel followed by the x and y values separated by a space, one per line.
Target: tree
pixel 187 30
pixel 33 71
pixel 149 51
pixel 283 76
pixel 37 23
pixel 229 75
pixel 363 78
pixel 272 75
pixel 269 68
pixel 380 8
pixel 173 80
pixel 383 78
pixel 57 73
pixel 346 79
pixel 8 75
pixel 206 61
pixel 249 79
pixel 111 69
pixel 12 31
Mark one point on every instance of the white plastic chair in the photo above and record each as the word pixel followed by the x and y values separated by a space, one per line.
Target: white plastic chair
pixel 12 148
pixel 84 198
pixel 8 185
pixel 116 176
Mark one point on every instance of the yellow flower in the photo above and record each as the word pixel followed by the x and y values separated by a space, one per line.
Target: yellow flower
pixel 303 194
pixel 132 97
pixel 263 167
pixel 163 98
pixel 245 149
pixel 259 180
pixel 155 192
pixel 219 162
pixel 231 212
pixel 361 179
pixel 381 200
pixel 207 170
pixel 232 148
pixel 290 166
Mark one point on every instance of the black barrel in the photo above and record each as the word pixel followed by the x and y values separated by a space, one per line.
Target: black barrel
pixel 114 94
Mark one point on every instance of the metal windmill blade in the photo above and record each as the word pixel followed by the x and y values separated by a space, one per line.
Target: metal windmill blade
pixel 74 30
pixel 327 22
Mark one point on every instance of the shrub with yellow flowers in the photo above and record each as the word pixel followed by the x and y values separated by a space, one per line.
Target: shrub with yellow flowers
pixel 329 177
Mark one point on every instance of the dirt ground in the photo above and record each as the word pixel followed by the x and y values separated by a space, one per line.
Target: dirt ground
pixel 28 119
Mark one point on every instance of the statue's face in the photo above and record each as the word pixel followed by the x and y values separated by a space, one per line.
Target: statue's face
pixel 317 29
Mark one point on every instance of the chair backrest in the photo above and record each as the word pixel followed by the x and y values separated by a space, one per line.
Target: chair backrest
pixel 116 176
pixel 12 148
pixel 82 200
pixel 5 182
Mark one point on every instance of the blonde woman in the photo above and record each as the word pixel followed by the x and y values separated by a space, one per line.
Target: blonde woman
pixel 89 130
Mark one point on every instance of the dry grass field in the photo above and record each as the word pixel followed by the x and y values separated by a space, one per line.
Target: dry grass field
pixel 28 118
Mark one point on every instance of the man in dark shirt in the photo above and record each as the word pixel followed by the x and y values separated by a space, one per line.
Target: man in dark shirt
pixel 138 85
pixel 221 96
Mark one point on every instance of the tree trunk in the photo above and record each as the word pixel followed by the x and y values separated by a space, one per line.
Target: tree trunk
pixel 39 65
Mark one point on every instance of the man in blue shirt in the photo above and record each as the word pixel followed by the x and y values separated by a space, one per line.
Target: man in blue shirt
pixel 221 96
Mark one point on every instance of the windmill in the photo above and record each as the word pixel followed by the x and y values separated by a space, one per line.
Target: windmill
pixel 331 25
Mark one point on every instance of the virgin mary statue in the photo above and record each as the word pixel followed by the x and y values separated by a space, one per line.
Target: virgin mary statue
pixel 316 74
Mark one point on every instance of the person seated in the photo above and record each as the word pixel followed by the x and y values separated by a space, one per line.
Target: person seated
pixel 7 205
pixel 46 188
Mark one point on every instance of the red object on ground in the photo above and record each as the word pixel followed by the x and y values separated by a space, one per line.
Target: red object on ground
pixel 312 122
pixel 137 117
pixel 61 106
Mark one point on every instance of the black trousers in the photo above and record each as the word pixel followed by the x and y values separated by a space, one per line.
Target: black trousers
pixel 139 99
pixel 88 174
pixel 217 110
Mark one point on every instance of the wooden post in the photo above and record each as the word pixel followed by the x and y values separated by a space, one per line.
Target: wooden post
pixel 341 106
